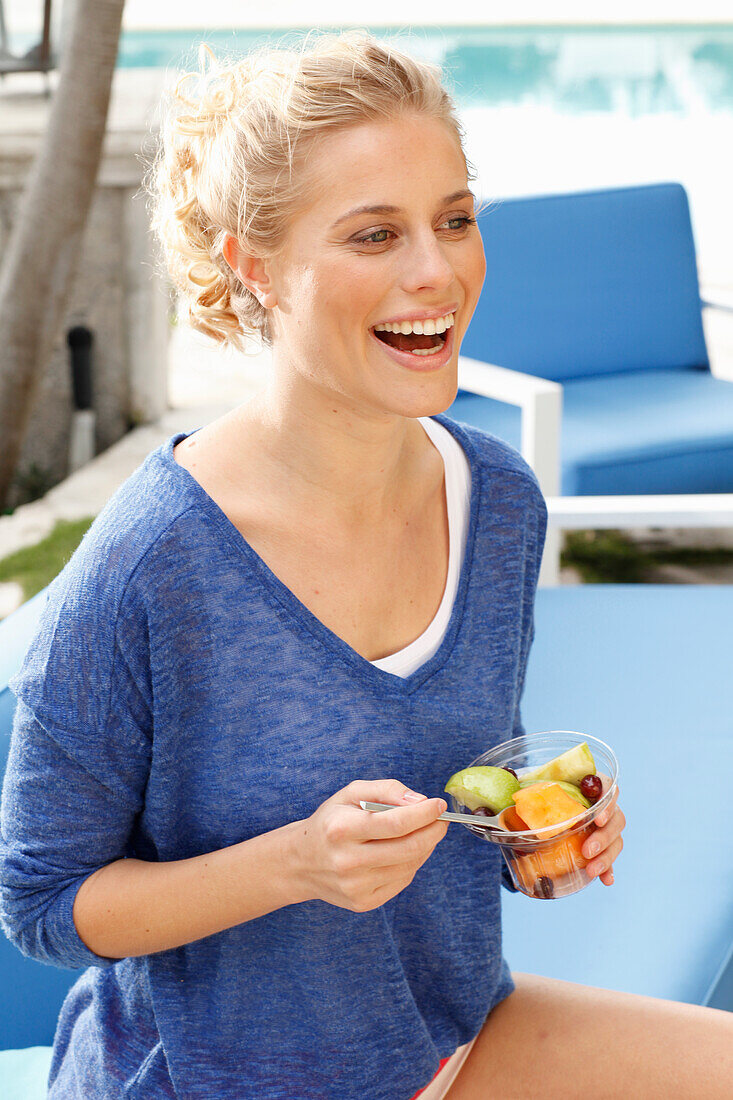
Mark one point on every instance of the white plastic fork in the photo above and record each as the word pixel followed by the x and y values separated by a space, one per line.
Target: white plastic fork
pixel 462 819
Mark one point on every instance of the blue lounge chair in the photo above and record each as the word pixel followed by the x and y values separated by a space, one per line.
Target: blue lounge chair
pixel 598 292
pixel 645 668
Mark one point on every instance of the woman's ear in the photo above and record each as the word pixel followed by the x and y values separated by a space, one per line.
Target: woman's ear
pixel 252 270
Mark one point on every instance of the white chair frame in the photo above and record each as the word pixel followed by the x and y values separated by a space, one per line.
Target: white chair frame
pixel 540 402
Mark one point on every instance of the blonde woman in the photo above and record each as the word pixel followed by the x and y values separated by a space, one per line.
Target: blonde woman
pixel 323 597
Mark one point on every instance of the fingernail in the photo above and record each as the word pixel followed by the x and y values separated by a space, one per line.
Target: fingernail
pixel 443 806
pixel 611 879
pixel 413 796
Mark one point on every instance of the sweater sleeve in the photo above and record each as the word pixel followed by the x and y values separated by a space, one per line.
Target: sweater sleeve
pixel 79 760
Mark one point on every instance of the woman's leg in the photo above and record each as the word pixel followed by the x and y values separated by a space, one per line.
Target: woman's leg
pixel 554 1039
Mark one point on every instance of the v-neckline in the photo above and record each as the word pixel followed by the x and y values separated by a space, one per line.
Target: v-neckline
pixel 400 685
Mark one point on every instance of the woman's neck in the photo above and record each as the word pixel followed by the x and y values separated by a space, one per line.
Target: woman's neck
pixel 329 456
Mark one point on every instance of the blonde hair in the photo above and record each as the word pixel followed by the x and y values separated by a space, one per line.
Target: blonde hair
pixel 230 148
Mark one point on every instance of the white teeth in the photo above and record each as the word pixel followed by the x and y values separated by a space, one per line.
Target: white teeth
pixel 427 351
pixel 420 328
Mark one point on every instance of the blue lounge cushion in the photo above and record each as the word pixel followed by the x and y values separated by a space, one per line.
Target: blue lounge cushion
pixel 589 283
pixel 24 1073
pixel 646 668
pixel 641 432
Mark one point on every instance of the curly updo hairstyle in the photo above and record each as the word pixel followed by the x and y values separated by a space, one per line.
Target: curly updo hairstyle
pixel 232 140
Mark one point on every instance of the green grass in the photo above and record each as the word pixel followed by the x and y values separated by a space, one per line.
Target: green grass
pixel 35 566
pixel 609 557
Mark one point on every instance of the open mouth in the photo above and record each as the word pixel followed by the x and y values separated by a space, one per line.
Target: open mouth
pixel 420 338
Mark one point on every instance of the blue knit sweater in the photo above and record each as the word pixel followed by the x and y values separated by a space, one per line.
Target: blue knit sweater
pixel 177 699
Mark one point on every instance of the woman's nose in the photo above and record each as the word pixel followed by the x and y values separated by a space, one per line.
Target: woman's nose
pixel 426 266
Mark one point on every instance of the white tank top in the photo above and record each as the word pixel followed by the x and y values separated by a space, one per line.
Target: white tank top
pixel 458 495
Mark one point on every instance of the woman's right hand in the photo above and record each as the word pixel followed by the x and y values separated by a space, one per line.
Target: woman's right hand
pixel 358 859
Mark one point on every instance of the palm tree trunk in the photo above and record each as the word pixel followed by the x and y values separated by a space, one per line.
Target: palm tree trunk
pixel 39 263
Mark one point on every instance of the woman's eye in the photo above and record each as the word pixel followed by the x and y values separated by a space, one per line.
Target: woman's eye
pixel 459 222
pixel 379 236
pixel 383 236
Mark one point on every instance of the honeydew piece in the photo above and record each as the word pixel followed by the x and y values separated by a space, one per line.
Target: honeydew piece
pixel 568 767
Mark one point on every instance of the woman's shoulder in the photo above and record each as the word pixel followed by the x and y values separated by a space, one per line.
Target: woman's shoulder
pixel 122 540
pixel 78 627
pixel 492 454
pixel 153 499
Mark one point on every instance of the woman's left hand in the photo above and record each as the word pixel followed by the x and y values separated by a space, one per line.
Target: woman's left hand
pixel 605 843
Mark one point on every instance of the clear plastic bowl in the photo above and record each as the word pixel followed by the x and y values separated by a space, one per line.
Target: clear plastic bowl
pixel 545 863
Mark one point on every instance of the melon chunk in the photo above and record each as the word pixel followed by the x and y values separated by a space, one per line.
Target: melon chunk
pixel 569 788
pixel 511 820
pixel 558 859
pixel 569 767
pixel 545 804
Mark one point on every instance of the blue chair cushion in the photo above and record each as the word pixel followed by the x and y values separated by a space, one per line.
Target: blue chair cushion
pixel 24 1073
pixel 646 668
pixel 664 431
pixel 590 283
pixel 31 992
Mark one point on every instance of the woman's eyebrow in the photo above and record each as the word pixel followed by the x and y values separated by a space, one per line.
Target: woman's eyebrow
pixel 385 208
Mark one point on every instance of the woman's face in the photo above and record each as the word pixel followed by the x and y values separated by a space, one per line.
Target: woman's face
pixel 387 241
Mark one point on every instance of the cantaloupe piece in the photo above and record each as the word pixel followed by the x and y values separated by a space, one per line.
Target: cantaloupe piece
pixel 511 820
pixel 545 804
pixel 561 858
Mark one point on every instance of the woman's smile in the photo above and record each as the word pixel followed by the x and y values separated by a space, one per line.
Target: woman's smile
pixel 419 346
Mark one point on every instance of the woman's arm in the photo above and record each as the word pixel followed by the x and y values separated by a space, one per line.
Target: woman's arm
pixel 131 907
pixel 342 855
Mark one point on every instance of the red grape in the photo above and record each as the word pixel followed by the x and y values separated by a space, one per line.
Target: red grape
pixel 592 787
pixel 543 887
pixel 484 811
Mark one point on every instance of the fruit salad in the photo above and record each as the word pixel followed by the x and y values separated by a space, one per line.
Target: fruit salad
pixel 545 804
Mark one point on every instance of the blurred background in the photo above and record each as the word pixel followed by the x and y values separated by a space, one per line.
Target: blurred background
pixel 554 98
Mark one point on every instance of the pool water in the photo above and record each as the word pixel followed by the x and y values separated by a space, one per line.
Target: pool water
pixel 636 71
pixel 561 108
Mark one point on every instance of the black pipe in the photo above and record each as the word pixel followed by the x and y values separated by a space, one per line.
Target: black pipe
pixel 80 341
